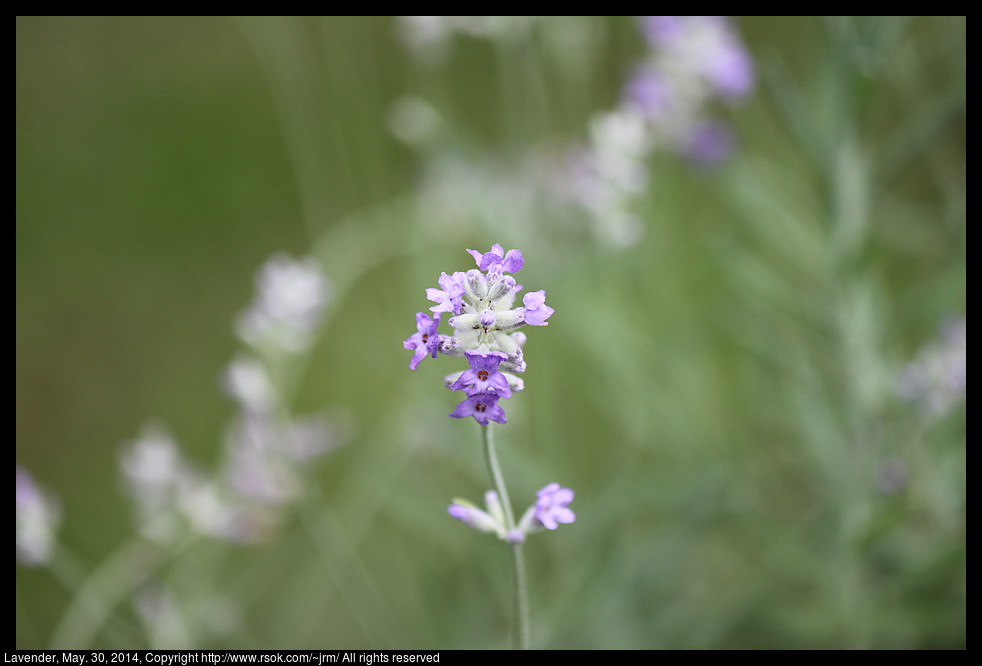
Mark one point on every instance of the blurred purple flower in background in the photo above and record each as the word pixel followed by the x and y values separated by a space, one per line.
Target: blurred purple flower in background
pixel 667 104
pixel 936 378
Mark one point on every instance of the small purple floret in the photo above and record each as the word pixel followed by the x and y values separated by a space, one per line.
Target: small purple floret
pixel 536 310
pixel 483 376
pixel 450 295
pixel 552 506
pixel 426 339
pixel 483 407
pixel 496 261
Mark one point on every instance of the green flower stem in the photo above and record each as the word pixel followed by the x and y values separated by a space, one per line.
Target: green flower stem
pixel 521 582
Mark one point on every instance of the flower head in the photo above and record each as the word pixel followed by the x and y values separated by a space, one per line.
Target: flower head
pixel 485 323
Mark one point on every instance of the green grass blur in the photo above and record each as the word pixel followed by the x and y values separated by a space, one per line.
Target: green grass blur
pixel 720 395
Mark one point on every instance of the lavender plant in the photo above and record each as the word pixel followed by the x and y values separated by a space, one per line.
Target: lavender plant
pixel 486 333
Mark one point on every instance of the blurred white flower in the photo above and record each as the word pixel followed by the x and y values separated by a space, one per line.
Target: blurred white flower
pixel 38 516
pixel 935 379
pixel 290 300
pixel 154 473
pixel 247 382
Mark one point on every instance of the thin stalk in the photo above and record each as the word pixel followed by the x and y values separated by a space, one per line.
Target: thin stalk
pixel 522 623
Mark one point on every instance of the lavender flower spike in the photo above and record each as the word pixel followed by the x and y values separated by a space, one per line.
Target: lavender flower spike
pixel 426 339
pixel 483 407
pixel 552 506
pixel 483 376
pixel 536 310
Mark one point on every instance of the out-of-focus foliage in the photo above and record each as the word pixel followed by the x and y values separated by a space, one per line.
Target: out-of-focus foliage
pixel 757 391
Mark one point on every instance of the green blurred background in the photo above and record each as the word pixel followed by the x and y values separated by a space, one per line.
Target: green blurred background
pixel 720 395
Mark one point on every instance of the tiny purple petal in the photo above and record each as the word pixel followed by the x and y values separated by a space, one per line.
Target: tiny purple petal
pixel 512 262
pixel 496 261
pixel 536 310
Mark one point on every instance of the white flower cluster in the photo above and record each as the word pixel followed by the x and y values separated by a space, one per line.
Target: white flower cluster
pixel 38 516
pixel 935 379
pixel 290 300
pixel 265 448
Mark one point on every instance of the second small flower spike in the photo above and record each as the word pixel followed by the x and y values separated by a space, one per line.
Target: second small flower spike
pixel 552 507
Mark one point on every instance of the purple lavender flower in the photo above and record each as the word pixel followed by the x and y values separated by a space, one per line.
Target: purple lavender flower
pixel 450 296
pixel 729 67
pixel 426 339
pixel 496 261
pixel 483 407
pixel 536 310
pixel 649 91
pixel 552 506
pixel 483 375
pixel 710 144
pixel 662 30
